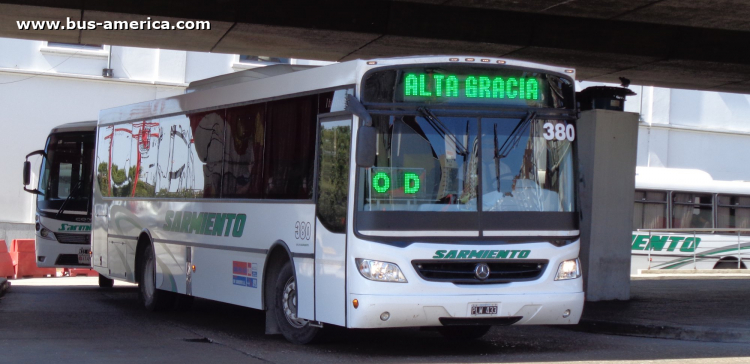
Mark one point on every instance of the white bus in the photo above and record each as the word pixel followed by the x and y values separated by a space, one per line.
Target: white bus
pixel 63 206
pixel 409 192
pixel 684 219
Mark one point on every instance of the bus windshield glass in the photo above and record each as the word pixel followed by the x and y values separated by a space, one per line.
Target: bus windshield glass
pixel 66 173
pixel 426 163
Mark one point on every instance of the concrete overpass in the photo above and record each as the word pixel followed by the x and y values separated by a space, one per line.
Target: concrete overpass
pixel 670 43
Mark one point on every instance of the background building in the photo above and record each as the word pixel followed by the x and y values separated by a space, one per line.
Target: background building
pixel 694 129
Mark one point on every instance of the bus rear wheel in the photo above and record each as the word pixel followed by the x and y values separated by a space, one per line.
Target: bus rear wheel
pixel 294 329
pixel 151 297
pixel 464 332
pixel 105 282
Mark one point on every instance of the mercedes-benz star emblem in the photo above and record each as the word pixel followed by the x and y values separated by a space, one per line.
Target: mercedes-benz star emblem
pixel 482 271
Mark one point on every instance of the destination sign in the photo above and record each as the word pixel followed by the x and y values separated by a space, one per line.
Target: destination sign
pixel 470 86
pixel 462 84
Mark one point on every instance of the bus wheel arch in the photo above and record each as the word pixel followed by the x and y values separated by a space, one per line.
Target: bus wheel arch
pixel 280 297
pixel 278 254
pixel 144 240
pixel 153 299
pixel 729 263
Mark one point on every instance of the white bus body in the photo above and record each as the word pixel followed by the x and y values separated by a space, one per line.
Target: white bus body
pixel 683 206
pixel 63 209
pixel 217 186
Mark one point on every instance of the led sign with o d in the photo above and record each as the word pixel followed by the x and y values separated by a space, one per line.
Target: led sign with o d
pixel 390 183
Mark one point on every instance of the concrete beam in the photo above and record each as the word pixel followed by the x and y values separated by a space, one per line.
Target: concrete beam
pixel 669 43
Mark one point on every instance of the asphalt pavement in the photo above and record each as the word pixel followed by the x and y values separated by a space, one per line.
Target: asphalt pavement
pixel 686 307
pixel 72 320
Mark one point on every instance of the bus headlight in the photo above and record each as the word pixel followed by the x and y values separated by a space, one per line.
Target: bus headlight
pixel 375 270
pixel 569 269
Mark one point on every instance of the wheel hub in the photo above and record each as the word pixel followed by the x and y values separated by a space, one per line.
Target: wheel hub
pixel 289 301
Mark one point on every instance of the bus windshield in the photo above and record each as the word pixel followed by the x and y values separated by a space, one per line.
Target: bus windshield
pixel 426 163
pixel 66 173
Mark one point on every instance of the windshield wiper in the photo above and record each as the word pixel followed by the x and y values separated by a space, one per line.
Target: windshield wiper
pixel 442 129
pixel 70 195
pixel 510 143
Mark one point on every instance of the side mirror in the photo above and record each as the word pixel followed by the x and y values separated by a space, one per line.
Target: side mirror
pixel 26 173
pixel 366 139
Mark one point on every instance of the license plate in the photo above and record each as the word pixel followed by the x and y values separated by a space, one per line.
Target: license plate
pixel 484 309
pixel 84 257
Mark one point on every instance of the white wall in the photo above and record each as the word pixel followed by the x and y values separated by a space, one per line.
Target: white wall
pixel 692 129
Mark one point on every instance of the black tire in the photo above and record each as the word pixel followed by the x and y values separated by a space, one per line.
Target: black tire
pixel 152 298
pixel 728 264
pixel 464 332
pixel 295 330
pixel 105 282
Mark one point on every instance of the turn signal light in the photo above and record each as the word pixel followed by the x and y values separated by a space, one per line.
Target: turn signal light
pixel 355 303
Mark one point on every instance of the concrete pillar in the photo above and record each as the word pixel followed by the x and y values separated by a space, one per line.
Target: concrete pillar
pixel 607 142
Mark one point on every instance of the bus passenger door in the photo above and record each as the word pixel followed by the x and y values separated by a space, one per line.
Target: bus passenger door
pixel 335 134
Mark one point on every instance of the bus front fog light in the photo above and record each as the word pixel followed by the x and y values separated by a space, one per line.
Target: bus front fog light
pixel 385 316
pixel 566 313
pixel 44 232
pixel 376 270
pixel 569 269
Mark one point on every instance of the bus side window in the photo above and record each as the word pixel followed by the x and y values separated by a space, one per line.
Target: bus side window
pixel 650 210
pixel 183 171
pixel 243 152
pixel 123 156
pixel 290 148
pixel 207 150
pixel 692 210
pixel 102 160
pixel 733 211
pixel 333 183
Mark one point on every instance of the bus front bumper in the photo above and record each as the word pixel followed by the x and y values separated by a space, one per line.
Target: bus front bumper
pixel 417 311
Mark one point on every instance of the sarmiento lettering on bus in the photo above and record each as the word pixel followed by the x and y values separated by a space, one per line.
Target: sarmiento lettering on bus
pixel 481 254
pixel 660 242
pixel 205 223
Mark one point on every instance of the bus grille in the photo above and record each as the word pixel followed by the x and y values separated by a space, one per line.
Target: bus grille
pixel 73 238
pixel 462 271
pixel 68 259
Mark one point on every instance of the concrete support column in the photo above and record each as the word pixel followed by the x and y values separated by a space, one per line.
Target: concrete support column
pixel 607 142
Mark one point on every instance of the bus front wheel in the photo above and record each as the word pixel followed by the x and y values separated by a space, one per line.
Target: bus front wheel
pixel 151 297
pixel 294 329
pixel 105 282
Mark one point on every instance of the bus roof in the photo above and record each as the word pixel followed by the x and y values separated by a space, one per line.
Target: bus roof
pixel 237 89
pixel 688 180
pixel 244 76
pixel 75 126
